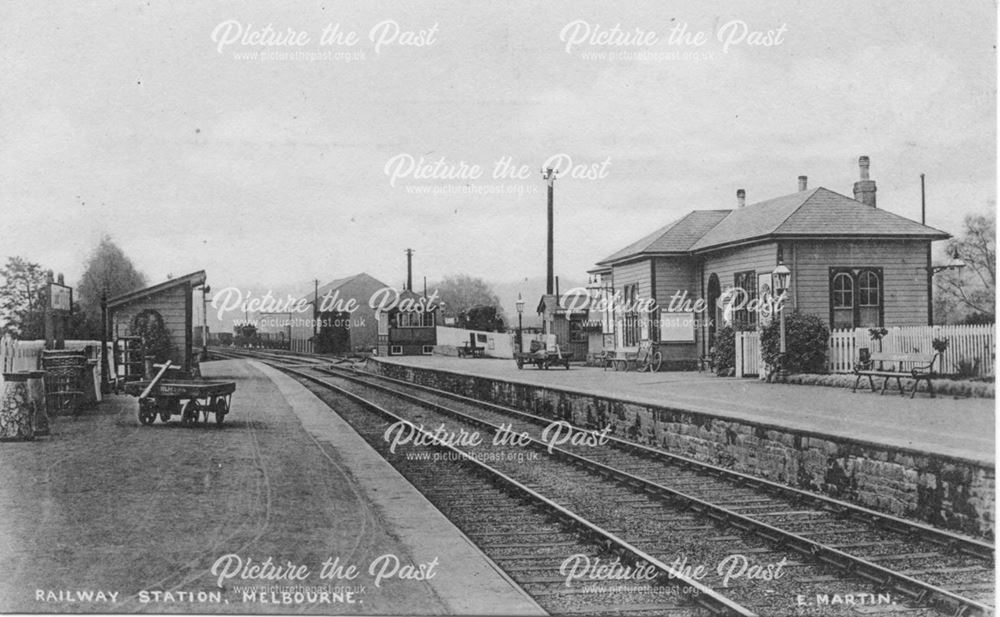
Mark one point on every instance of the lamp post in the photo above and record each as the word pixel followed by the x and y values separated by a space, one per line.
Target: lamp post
pixel 781 279
pixel 520 312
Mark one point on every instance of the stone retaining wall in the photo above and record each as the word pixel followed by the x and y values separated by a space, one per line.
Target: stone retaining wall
pixel 946 492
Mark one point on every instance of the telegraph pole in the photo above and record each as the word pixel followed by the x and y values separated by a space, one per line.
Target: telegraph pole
pixel 549 175
pixel 409 269
pixel 315 309
pixel 923 202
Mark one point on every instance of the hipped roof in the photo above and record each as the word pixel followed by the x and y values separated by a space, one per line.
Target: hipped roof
pixel 816 213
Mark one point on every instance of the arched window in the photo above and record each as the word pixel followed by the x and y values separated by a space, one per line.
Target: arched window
pixel 856 297
pixel 868 289
pixel 869 299
pixel 843 291
pixel 842 298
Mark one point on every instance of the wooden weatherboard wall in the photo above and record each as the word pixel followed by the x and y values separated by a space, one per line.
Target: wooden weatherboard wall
pixel 173 301
pixel 635 273
pixel 678 274
pixel 904 276
pixel 761 258
pixel 172 305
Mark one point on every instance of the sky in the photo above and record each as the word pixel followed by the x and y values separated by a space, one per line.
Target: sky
pixel 200 139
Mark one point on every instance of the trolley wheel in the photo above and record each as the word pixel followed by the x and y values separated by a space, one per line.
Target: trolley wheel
pixel 168 407
pixel 221 409
pixel 190 414
pixel 656 362
pixel 147 411
pixel 520 363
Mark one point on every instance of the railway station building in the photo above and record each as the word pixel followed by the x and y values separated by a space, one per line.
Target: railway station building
pixel 171 305
pixel 851 264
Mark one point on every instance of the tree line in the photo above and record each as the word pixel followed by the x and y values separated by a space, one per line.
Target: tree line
pixel 23 284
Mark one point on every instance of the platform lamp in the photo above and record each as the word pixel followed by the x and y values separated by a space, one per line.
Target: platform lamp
pixel 520 313
pixel 782 276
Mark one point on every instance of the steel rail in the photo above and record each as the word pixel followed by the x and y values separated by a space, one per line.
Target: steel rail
pixel 953 541
pixel 917 590
pixel 706 596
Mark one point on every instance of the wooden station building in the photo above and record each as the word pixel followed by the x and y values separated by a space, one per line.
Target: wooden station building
pixel 851 264
pixel 170 302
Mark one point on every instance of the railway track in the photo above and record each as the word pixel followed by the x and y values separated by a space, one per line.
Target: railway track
pixel 924 566
pixel 527 534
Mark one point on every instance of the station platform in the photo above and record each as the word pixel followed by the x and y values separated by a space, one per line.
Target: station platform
pixel 107 515
pixel 957 428
pixel 385 514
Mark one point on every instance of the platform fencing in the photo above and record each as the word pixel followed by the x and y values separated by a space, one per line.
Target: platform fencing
pixel 17 355
pixel 971 349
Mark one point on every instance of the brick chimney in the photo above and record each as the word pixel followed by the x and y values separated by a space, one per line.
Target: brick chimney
pixel 741 198
pixel 864 189
pixel 803 183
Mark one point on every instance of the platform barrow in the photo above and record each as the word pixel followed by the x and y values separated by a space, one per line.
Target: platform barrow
pixel 184 397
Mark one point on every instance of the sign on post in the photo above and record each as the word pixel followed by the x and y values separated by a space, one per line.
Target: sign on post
pixel 60 297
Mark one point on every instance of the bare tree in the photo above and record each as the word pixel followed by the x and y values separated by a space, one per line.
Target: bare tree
pixel 972 288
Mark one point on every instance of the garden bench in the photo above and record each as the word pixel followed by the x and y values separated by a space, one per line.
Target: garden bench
pixel 915 366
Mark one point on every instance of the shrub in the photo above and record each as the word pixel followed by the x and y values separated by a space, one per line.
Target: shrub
pixel 806 342
pixel 155 336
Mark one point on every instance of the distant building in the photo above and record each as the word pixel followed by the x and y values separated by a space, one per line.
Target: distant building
pixel 851 264
pixel 348 324
pixel 410 328
pixel 567 317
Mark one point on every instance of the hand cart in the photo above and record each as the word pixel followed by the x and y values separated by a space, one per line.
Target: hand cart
pixel 181 397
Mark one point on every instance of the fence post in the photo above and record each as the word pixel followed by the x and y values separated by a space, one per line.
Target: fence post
pixel 738 360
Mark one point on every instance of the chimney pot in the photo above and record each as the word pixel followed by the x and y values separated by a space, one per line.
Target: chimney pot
pixel 803 182
pixel 741 198
pixel 864 189
pixel 863 163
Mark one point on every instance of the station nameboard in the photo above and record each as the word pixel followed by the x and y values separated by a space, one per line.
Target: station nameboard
pixel 676 327
pixel 60 297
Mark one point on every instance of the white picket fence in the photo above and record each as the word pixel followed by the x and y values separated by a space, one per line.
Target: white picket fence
pixel 971 349
pixel 18 355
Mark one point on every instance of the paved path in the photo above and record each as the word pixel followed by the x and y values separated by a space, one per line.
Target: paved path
pixel 134 512
pixel 962 428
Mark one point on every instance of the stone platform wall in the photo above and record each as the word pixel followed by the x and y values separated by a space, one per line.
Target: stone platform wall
pixel 946 492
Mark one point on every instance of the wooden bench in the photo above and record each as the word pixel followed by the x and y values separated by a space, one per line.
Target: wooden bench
pixel 466 350
pixel 622 359
pixel 915 366
pixel 542 357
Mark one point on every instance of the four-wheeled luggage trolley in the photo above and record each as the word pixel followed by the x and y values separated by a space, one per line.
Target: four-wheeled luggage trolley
pixel 186 398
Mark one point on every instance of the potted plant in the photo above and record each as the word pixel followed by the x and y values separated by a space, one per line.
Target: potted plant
pixel 877 334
